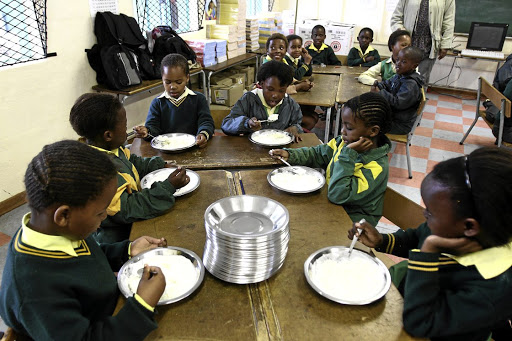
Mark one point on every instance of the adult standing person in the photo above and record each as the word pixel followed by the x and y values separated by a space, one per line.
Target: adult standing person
pixel 431 23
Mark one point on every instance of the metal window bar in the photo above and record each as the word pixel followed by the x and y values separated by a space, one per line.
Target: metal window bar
pixel 177 14
pixel 23 31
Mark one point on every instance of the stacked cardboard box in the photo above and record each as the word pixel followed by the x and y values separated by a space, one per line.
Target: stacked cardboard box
pixel 252 34
pixel 227 33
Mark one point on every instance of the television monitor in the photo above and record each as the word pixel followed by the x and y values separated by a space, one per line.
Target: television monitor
pixel 486 36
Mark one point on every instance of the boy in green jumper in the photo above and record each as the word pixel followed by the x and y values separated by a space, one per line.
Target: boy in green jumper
pixel 101 120
pixel 356 163
pixel 321 53
pixel 457 281
pixel 365 54
pixel 58 283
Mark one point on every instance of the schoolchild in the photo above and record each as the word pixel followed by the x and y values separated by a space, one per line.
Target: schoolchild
pixel 178 109
pixel 356 163
pixel 58 283
pixel 277 45
pixel 321 53
pixel 364 54
pixel 298 57
pixel 403 90
pixel 456 281
pixel 386 68
pixel 101 120
pixel 267 99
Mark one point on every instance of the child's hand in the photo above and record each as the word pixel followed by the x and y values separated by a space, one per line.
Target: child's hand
pixel 369 58
pixel 140 131
pixel 454 246
pixel 295 132
pixel 254 124
pixel 306 56
pixel 179 178
pixel 303 86
pixel 146 243
pixel 361 145
pixel 277 153
pixel 369 237
pixel 375 87
pixel 151 285
pixel 201 140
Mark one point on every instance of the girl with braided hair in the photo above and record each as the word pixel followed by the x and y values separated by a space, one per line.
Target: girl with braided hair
pixel 356 162
pixel 54 265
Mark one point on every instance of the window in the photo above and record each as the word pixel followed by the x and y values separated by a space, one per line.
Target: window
pixel 255 7
pixel 22 31
pixel 181 15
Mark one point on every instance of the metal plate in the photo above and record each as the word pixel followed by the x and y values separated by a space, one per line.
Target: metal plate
pixel 162 175
pixel 130 271
pixel 358 280
pixel 296 179
pixel 271 137
pixel 173 142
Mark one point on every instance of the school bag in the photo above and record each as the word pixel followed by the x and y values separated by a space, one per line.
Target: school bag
pixel 168 41
pixel 503 75
pixel 120 58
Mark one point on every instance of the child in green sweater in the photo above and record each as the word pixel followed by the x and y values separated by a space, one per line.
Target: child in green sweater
pixel 101 120
pixel 58 283
pixel 356 162
pixel 365 54
pixel 457 281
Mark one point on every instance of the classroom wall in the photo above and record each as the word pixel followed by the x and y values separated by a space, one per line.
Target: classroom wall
pixel 376 14
pixel 35 97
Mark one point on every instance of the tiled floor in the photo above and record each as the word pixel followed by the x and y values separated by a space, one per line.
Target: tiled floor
pixel 444 122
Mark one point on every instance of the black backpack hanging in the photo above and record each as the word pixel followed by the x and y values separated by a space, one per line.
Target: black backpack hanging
pixel 120 58
pixel 170 42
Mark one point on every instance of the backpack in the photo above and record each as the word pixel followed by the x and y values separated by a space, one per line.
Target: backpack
pixel 503 75
pixel 168 41
pixel 120 58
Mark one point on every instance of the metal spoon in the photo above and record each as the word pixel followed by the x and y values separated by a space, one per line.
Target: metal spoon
pixel 288 164
pixel 354 239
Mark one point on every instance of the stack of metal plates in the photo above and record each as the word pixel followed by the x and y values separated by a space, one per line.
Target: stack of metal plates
pixel 246 238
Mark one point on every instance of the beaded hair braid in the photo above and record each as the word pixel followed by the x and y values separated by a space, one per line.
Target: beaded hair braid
pixel 67 172
pixel 175 60
pixel 93 113
pixel 372 109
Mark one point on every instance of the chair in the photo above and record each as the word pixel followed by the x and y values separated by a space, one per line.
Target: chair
pixel 401 211
pixel 496 97
pixel 407 138
pixel 10 335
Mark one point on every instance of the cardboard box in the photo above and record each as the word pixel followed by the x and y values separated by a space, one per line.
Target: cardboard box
pixel 221 79
pixel 249 73
pixel 227 95
pixel 239 78
pixel 339 36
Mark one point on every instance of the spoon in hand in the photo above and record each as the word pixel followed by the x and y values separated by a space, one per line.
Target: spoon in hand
pixel 354 239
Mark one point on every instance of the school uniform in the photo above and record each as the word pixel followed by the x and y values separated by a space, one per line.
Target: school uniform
pixel 355 180
pixel 300 69
pixel 54 288
pixel 385 69
pixel 188 114
pixel 323 55
pixel 131 203
pixel 253 104
pixel 356 56
pixel 450 297
pixel 403 93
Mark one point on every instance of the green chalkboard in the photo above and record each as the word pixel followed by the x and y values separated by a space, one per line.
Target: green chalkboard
pixel 494 11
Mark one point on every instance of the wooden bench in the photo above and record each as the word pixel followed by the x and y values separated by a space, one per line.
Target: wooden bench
pixel 496 97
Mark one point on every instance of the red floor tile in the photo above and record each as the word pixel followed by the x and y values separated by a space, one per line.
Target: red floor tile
pixel 450 146
pixel 4 239
pixel 469 107
pixel 482 141
pixel 448 111
pixel 401 176
pixel 423 131
pixel 449 99
pixel 479 123
pixel 432 102
pixel 429 115
pixel 458 128
pixel 416 151
pixel 430 165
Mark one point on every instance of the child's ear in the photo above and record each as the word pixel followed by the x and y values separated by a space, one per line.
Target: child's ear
pixel 107 135
pixel 61 215
pixel 471 227
pixel 374 130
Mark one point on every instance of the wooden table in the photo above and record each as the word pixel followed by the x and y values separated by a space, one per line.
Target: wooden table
pixel 339 70
pixel 283 307
pixel 221 152
pixel 348 87
pixel 322 94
